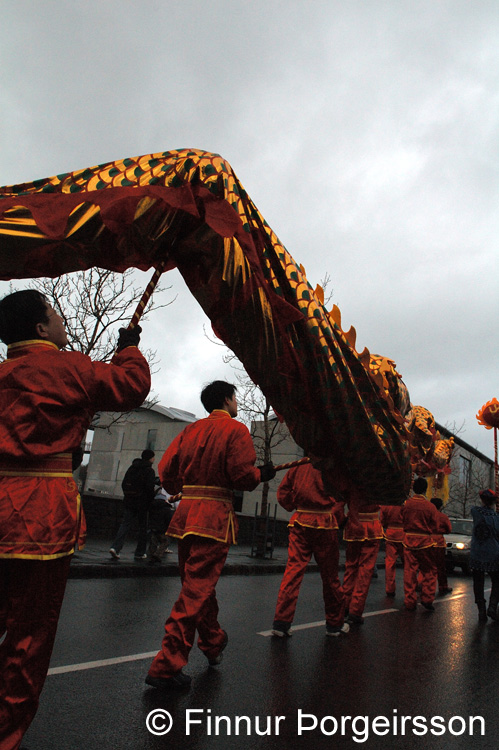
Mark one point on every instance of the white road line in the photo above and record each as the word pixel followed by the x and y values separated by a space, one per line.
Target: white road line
pixel 266 633
pixel 100 663
pixel 321 623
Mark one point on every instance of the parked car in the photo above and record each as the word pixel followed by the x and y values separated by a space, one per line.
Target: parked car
pixel 457 552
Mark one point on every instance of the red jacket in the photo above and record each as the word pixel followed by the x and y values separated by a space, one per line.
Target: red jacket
pixel 420 518
pixel 391 519
pixel 302 490
pixel 363 521
pixel 208 460
pixel 47 401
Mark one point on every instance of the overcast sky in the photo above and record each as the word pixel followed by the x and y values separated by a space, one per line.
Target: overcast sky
pixel 366 132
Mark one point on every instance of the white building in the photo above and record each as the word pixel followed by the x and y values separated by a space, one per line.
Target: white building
pixel 119 438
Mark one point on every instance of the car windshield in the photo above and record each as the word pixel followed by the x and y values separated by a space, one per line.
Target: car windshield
pixel 462 526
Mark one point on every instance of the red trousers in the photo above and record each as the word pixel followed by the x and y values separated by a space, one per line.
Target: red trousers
pixel 359 566
pixel 303 543
pixel 200 562
pixel 422 560
pixel 393 550
pixel 31 594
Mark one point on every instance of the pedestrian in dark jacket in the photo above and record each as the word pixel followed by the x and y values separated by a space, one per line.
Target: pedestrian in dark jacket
pixel 484 555
pixel 138 492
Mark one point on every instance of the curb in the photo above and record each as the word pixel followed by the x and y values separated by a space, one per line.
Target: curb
pixel 96 570
pixel 80 570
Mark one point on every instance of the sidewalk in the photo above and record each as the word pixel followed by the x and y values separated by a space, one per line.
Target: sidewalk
pixel 95 562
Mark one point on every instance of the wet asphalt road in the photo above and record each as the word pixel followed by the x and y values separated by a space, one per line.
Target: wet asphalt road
pixel 398 664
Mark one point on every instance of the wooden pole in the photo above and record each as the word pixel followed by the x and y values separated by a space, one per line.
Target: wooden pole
pixel 279 467
pixel 298 462
pixel 146 296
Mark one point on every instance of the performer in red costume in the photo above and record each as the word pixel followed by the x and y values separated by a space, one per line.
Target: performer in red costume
pixel 444 527
pixel 393 531
pixel 208 460
pixel 362 534
pixel 420 519
pixel 47 401
pixel 313 531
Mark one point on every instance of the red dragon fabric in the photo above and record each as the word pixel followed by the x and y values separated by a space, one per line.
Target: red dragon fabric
pixel 187 209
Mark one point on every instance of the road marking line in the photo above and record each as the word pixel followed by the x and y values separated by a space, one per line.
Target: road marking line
pixel 321 623
pixel 100 663
pixel 266 633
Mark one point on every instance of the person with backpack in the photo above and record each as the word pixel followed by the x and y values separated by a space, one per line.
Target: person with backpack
pixel 139 488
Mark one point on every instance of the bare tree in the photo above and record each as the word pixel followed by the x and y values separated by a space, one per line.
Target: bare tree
pixel 327 292
pixel 93 305
pixel 469 476
pixel 266 430
pixel 257 414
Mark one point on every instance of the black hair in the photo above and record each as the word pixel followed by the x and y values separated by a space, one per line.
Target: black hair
pixel 420 486
pixel 214 394
pixel 147 454
pixel 20 313
pixel 437 502
pixel 488 498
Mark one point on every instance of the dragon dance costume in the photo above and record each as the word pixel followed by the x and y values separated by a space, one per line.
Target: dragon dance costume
pixel 187 209
pixel 206 461
pixel 362 534
pixel 420 519
pixel 47 401
pixel 313 531
pixel 393 531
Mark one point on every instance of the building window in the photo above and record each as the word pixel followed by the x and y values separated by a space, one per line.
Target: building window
pixel 151 439
pixel 465 471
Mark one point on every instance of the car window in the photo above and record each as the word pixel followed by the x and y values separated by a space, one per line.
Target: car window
pixel 462 526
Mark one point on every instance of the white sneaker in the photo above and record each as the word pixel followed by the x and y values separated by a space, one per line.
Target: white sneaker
pixel 114 554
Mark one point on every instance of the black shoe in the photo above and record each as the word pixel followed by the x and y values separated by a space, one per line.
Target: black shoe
pixel 218 658
pixel 281 629
pixel 492 610
pixel 482 612
pixel 410 607
pixel 178 681
pixel 354 619
pixel 446 590
pixel 390 594
pixel 429 606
